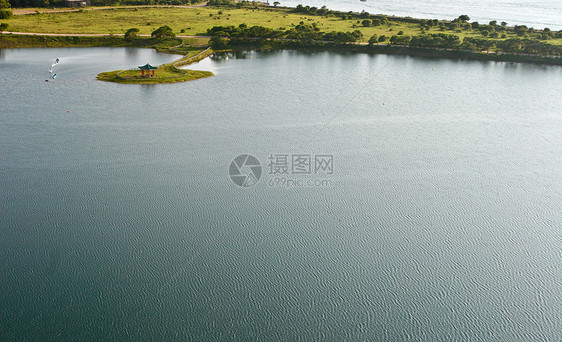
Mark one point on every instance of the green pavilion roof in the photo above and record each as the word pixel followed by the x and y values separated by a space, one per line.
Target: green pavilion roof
pixel 147 67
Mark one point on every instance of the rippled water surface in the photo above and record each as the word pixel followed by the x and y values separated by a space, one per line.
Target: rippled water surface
pixel 441 220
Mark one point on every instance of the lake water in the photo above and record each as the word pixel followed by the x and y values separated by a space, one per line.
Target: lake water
pixel 538 14
pixel 440 220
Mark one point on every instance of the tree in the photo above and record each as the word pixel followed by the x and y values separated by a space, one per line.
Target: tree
pixel 433 22
pixel 5 13
pixel 366 23
pixel 464 18
pixel 218 42
pixel 357 34
pixel 221 34
pixel 163 31
pixel 374 39
pixel 504 23
pixel 5 9
pixel 493 23
pixel 382 38
pixel 439 40
pixel 131 34
pixel 400 40
pixel 276 3
pixel 3 27
pixel 520 30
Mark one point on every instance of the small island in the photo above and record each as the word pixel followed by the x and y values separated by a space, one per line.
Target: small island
pixel 166 73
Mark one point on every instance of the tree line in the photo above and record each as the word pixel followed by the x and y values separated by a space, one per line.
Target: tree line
pixel 451 41
pixel 223 36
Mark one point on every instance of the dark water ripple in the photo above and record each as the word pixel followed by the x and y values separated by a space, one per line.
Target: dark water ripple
pixel 119 221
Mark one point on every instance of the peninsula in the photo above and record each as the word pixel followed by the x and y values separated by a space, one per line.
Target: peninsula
pixel 225 25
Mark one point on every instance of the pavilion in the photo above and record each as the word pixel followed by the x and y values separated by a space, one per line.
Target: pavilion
pixel 147 67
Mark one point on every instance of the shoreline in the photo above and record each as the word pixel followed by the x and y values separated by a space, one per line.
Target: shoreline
pixel 59 40
pixel 401 50
pixel 455 39
pixel 31 40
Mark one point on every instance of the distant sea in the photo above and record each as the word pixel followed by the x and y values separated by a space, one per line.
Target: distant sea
pixel 537 13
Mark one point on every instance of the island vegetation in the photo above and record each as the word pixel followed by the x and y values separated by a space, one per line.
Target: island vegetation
pixel 226 25
pixel 166 73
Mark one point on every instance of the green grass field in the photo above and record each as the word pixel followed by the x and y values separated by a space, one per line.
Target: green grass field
pixel 196 21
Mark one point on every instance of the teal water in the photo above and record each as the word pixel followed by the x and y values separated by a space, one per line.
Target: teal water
pixel 441 220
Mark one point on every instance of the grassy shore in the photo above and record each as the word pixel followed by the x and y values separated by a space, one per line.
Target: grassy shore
pixel 8 41
pixel 164 74
pixel 196 21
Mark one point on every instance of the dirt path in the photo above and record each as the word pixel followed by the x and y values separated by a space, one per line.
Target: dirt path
pixel 182 61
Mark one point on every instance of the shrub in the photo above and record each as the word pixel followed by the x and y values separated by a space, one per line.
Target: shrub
pixel 218 42
pixel 400 40
pixel 5 13
pixel 520 30
pixel 131 34
pixel 163 31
